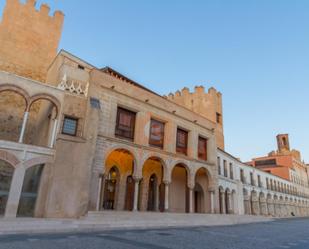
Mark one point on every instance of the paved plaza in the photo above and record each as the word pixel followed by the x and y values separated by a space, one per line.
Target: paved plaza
pixel 286 233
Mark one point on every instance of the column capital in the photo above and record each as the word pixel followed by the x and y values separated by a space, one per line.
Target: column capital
pixel 137 178
pixel 166 182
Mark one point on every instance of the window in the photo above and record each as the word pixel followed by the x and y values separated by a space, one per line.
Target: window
pixel 69 126
pixel 242 176
pixel 259 181
pixel 156 137
pixel 81 67
pixel 125 123
pixel 202 148
pixel 251 179
pixel 182 141
pixel 225 168
pixel 219 165
pixel 219 118
pixel 267 183
pixel 231 171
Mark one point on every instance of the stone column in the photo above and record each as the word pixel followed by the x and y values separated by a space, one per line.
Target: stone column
pixel 212 201
pixel 166 196
pixel 136 192
pixel 15 192
pixel 23 127
pixel 191 200
pixel 54 132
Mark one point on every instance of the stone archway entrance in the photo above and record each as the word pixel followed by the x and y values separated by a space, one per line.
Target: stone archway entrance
pixel 179 201
pixel 110 189
pixel 152 193
pixel 199 200
pixel 118 186
pixel 152 187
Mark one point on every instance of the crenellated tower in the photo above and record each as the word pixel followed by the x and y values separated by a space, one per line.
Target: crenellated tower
pixel 207 104
pixel 29 38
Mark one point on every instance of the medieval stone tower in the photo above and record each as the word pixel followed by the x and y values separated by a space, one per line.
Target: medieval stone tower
pixel 29 38
pixel 208 105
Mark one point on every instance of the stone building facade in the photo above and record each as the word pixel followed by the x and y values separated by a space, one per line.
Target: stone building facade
pixel 86 139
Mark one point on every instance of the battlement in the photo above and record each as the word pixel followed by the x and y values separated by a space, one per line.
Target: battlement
pixel 29 38
pixel 30 7
pixel 207 104
pixel 198 91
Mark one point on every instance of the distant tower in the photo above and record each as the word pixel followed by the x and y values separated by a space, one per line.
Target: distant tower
pixel 29 38
pixel 283 142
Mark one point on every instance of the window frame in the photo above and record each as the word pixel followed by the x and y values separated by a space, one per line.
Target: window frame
pixel 151 141
pixel 63 125
pixel 179 148
pixel 206 148
pixel 119 132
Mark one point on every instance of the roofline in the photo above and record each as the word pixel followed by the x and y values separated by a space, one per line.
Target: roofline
pixel 68 54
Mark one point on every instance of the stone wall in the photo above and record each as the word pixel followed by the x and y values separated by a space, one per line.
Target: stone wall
pixel 29 38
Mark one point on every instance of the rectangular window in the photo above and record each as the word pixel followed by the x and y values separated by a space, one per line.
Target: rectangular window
pixel 242 176
pixel 156 137
pixel 219 165
pixel 225 168
pixel 125 123
pixel 202 148
pixel 182 141
pixel 251 179
pixel 218 118
pixel 259 181
pixel 69 126
pixel 231 171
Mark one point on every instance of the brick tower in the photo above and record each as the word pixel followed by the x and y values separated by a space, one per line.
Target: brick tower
pixel 29 38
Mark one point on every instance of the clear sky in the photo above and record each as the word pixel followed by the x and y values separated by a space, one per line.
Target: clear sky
pixel 256 52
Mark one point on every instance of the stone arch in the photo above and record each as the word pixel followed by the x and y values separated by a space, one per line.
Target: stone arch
pixel 37 161
pixel 255 203
pixel 20 91
pixel 156 156
pixel 125 161
pixel 111 149
pixel 181 182
pixel 201 196
pixel 45 96
pixel 190 174
pixel 9 158
pixel 152 188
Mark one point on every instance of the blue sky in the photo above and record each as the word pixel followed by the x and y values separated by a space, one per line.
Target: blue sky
pixel 256 52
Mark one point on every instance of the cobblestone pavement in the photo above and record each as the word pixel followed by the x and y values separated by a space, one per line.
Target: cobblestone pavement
pixel 289 233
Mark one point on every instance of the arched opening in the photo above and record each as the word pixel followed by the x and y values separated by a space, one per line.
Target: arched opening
pixel 201 195
pixel 152 193
pixel 247 202
pixel 255 203
pixel 110 188
pixel 118 184
pixel 30 191
pixel 40 124
pixel 152 186
pixel 6 175
pixel 234 202
pixel 12 110
pixel 179 190
pixel 228 201
pixel 222 200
